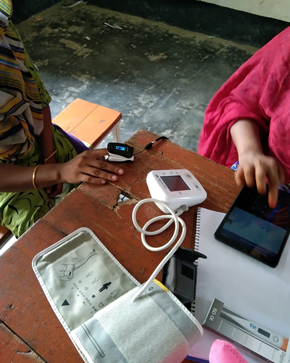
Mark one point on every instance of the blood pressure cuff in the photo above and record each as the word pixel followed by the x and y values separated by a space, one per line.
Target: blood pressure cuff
pixel 92 295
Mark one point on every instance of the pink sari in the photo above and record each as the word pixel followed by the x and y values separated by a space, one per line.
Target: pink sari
pixel 260 91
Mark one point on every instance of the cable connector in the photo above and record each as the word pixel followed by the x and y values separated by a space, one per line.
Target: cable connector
pixel 148 146
pixel 180 210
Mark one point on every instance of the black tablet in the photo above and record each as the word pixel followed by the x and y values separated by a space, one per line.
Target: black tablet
pixel 254 228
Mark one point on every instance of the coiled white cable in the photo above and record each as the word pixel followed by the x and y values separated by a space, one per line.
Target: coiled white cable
pixel 173 217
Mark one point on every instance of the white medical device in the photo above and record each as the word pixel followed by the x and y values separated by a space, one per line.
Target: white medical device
pixel 256 329
pixel 175 188
pixel 119 152
pixel 270 346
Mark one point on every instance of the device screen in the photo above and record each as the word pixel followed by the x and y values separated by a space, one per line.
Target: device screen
pixel 122 148
pixel 254 228
pixel 175 183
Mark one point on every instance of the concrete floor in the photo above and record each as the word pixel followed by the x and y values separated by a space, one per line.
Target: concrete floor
pixel 159 77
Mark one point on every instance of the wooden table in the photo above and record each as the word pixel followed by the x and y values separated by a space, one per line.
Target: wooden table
pixel 29 329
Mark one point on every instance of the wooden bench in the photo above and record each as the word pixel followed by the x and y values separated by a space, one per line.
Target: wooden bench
pixel 88 122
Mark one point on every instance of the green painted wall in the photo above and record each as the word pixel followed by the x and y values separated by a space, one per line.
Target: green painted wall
pixel 23 9
pixel 202 17
pixel 192 15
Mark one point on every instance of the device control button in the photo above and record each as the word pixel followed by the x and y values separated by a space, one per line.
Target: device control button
pixel 276 339
pixel 188 175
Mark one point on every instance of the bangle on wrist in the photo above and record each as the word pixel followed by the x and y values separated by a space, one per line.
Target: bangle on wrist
pixel 33 176
pixel 50 156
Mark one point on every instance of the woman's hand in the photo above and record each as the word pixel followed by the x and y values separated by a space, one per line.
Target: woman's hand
pixel 255 168
pixel 90 167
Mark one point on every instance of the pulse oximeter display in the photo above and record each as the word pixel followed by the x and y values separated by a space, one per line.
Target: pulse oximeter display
pixel 122 148
pixel 175 183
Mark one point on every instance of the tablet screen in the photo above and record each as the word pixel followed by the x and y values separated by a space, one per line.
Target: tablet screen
pixel 254 228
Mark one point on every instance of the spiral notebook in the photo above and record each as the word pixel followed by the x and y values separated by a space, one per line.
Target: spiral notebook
pixel 245 285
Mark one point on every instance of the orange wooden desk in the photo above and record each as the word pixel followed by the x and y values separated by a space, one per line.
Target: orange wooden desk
pixel 29 329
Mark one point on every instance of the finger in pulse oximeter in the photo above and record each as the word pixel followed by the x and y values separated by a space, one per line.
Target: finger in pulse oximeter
pixel 119 152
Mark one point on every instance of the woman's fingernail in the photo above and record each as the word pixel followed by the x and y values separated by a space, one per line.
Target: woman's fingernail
pixel 114 177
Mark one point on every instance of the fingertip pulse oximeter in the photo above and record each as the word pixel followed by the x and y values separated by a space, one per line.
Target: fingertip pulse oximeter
pixel 119 152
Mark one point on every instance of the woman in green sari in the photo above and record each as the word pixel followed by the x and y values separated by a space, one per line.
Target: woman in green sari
pixel 36 157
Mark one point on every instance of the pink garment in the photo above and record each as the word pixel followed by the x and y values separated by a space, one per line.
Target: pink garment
pixel 224 352
pixel 259 90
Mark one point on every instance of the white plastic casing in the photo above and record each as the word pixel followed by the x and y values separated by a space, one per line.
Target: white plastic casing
pixel 185 188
